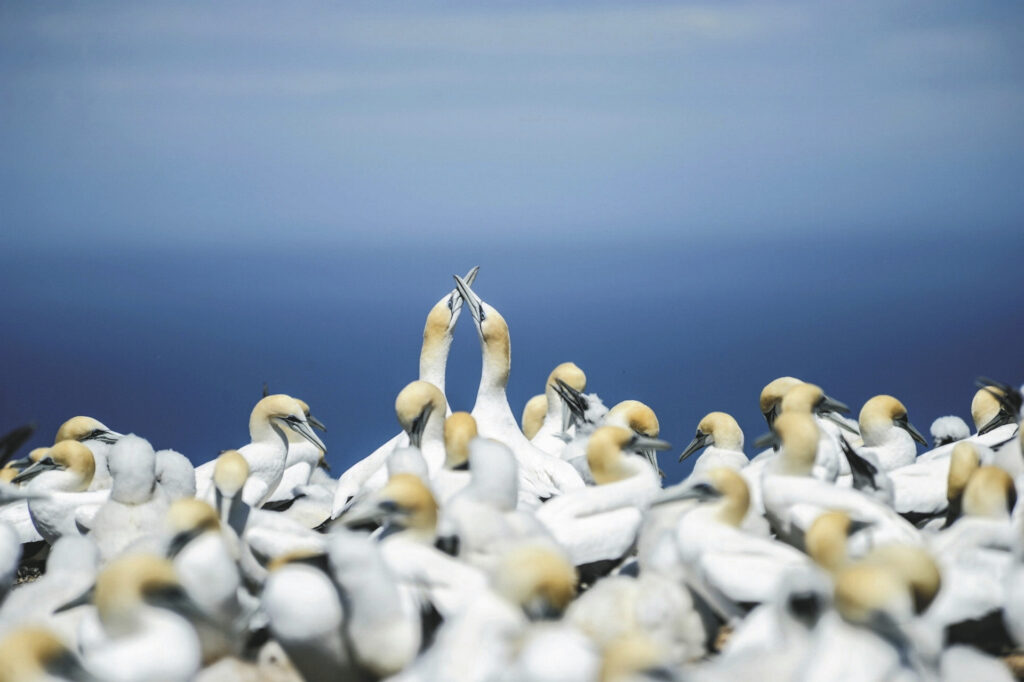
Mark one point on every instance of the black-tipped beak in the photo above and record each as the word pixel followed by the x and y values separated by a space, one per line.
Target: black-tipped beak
pixel 699 442
pixel 419 424
pixel 45 464
pixel 904 424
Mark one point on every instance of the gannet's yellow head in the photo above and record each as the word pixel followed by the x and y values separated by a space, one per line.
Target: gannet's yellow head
pixel 459 430
pixel 915 566
pixel 130 581
pixel 70 456
pixel 772 395
pixel 190 514
pixel 799 437
pixel 569 373
pixel 409 503
pixel 286 412
pixel 537 578
pixel 33 652
pixel 493 332
pixel 802 398
pixel 825 539
pixel 83 428
pixel 230 473
pixel 716 428
pixel 8 473
pixel 882 413
pixel 533 415
pixel 636 416
pixel 866 589
pixel 604 454
pixel 632 655
pixel 990 492
pixel 735 494
pixel 986 407
pixel 37 454
pixel 417 405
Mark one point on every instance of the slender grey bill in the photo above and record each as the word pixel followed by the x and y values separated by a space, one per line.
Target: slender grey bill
pixel 699 442
pixel 419 424
pixel 302 428
pixel 45 464
pixel 904 424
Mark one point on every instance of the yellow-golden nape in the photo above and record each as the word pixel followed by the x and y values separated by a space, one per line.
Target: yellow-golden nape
pixel 636 416
pixel 735 495
pixel 772 395
pixel 536 577
pixel 34 652
pixel 230 473
pixel 990 493
pixel 963 462
pixel 8 473
pixel 915 566
pixel 798 435
pixel 533 415
pixel 282 411
pixel 189 513
pixel 635 656
pixel 825 539
pixel 868 593
pixel 459 430
pixel 84 428
pixel 568 373
pixel 70 456
pixel 414 406
pixel 493 332
pixel 128 582
pixel 879 414
pixel 992 407
pixel 407 502
pixel 716 428
pixel 604 454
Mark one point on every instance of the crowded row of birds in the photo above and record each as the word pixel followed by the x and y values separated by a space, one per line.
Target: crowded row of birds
pixel 475 547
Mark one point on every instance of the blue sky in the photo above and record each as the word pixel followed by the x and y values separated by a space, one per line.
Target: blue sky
pixel 687 199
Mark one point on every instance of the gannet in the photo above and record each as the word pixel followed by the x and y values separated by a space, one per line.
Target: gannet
pixel 303 457
pixel 540 474
pixel 95 436
pixel 136 506
pixel 772 394
pixel 268 448
pixel 143 631
pixel 459 431
pixel 551 437
pixel 931 489
pixel 600 523
pixel 420 408
pixel 63 476
pixel 993 427
pixel 534 412
pixel 742 567
pixel 641 420
pixel 810 399
pixel 437 342
pixel 887 433
pixel 36 654
pixel 723 438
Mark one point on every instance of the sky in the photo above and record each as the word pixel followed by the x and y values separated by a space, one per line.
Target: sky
pixel 689 198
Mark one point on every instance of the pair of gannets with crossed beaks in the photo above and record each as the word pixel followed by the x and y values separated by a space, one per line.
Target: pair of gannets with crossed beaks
pixel 267 450
pixel 540 474
pixel 437 342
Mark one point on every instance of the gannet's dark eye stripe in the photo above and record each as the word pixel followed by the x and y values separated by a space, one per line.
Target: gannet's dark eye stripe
pixel 451 303
pixel 482 314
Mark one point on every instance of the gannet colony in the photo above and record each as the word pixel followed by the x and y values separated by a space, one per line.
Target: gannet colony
pixel 473 546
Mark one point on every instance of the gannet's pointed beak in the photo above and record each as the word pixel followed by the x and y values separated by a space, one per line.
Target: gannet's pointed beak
pixel 840 422
pixel 419 424
pixel 104 436
pixel 302 428
pixel 700 491
pixel 455 298
pixel 768 440
pixel 832 405
pixel 81 600
pixel 316 423
pixel 471 299
pixel 648 448
pixel 699 442
pixel 572 399
pixel 904 424
pixel 45 464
